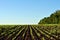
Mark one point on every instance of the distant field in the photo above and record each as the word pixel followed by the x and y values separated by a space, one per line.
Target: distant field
pixel 30 32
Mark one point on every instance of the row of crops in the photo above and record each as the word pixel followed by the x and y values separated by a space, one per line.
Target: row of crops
pixel 29 32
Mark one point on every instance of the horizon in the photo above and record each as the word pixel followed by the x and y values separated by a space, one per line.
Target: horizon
pixel 26 11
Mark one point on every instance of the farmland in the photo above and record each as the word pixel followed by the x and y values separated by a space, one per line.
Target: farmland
pixel 30 32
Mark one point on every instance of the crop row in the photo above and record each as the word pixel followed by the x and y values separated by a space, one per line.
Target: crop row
pixel 29 32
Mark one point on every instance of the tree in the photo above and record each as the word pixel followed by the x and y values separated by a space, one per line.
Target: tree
pixel 52 19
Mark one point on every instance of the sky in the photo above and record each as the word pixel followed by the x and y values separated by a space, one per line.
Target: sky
pixel 26 11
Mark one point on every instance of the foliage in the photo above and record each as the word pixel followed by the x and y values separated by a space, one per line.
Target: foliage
pixel 54 18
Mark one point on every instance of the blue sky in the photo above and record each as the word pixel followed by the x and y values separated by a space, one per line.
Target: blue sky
pixel 26 11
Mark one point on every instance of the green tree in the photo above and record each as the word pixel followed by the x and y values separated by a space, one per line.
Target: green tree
pixel 54 18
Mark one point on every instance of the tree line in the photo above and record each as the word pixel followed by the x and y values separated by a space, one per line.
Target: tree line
pixel 54 18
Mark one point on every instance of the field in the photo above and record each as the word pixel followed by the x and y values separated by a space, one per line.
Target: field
pixel 30 32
